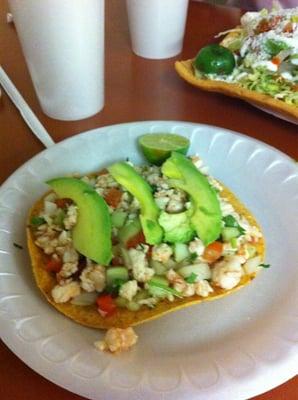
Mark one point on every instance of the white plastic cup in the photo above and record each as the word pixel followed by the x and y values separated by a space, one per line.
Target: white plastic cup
pixel 157 27
pixel 63 44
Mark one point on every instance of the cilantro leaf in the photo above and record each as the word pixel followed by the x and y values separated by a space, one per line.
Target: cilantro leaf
pixel 114 287
pixel 191 278
pixel 36 221
pixel 154 188
pixel 231 222
pixel 18 246
pixel 192 257
pixel 265 265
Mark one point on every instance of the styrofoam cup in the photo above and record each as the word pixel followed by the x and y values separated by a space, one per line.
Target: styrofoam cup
pixel 157 27
pixel 63 44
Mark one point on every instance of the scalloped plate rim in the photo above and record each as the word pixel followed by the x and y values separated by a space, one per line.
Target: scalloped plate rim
pixel 149 122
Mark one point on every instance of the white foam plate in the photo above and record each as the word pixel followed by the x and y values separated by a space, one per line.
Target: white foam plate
pixel 233 348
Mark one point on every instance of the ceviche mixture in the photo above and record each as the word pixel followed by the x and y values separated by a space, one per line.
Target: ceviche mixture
pixel 158 251
pixel 261 55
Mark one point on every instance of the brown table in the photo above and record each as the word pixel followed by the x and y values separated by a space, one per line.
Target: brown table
pixel 136 89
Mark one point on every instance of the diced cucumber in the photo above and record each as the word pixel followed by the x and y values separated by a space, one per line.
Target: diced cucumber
pixel 159 268
pixel 233 242
pixel 202 271
pixel 181 251
pixel 229 233
pixel 59 217
pixel 115 274
pixel 118 218
pixel 121 302
pixel 125 257
pixel 127 232
pixel 133 306
pixel 170 264
pixel 183 263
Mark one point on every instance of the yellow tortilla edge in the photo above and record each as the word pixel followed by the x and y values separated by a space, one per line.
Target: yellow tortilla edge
pixel 123 318
pixel 186 72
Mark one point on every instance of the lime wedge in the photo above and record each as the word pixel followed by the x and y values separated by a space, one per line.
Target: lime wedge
pixel 157 147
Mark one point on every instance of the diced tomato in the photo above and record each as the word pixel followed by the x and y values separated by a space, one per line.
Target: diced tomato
pixel 276 61
pixel 117 260
pixel 275 20
pixel 54 265
pixel 63 203
pixel 213 252
pixel 106 305
pixel 135 240
pixel 266 25
pixel 288 28
pixel 263 26
pixel 113 197
pixel 149 252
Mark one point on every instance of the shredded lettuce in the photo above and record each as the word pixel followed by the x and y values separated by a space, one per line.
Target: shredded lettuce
pixel 235 43
pixel 259 54
pixel 233 30
pixel 262 81
pixel 272 84
pixel 264 12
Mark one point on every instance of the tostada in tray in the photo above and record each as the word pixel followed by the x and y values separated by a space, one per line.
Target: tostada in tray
pixel 131 243
pixel 256 61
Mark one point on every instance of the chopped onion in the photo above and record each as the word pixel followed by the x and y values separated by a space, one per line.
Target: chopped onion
pixel 85 299
pixel 251 265
pixel 70 255
pixel 202 271
pixel 50 208
pixel 51 197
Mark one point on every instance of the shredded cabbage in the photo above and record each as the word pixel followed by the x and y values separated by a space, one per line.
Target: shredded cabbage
pixel 263 81
pixel 267 59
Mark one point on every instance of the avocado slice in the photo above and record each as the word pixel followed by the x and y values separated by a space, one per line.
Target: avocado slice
pixel 177 227
pixel 127 176
pixel 92 233
pixel 206 216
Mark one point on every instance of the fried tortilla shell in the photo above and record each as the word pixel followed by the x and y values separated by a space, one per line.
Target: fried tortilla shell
pixel 186 71
pixel 123 318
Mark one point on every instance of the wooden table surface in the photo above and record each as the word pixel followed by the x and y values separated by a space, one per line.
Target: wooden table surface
pixel 136 89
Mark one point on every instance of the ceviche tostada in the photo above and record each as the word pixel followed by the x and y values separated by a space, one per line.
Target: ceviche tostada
pixel 256 61
pixel 133 242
